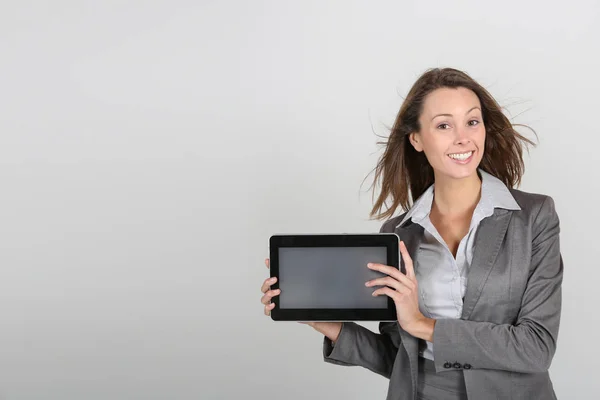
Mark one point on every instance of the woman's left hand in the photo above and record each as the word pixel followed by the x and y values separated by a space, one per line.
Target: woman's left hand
pixel 403 289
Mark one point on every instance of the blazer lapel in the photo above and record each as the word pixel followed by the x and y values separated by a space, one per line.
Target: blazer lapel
pixel 490 234
pixel 412 236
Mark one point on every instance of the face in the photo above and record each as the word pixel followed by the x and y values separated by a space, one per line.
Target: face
pixel 452 133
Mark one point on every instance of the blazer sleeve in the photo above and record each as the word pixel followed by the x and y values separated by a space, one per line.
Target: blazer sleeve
pixel 359 346
pixel 529 344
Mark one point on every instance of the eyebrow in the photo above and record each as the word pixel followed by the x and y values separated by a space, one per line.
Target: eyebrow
pixel 450 115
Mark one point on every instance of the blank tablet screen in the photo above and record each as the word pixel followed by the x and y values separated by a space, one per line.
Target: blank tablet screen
pixel 329 277
pixel 322 277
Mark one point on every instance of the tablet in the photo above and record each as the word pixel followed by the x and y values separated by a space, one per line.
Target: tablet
pixel 322 277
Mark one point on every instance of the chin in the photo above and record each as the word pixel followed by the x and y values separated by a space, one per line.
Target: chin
pixel 454 171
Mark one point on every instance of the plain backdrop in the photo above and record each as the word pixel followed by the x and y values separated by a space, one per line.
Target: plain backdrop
pixel 148 149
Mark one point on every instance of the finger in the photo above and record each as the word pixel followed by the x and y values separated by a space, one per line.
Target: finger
pixel 393 272
pixel 267 284
pixel 388 292
pixel 386 269
pixel 390 282
pixel 266 298
pixel 267 263
pixel 410 271
pixel 403 281
pixel 268 308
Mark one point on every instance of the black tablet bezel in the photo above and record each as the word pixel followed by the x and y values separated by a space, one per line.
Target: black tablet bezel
pixel 389 240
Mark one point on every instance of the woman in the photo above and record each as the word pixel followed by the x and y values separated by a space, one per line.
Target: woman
pixel 478 294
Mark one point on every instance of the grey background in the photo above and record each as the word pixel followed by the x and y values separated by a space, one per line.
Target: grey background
pixel 329 277
pixel 148 149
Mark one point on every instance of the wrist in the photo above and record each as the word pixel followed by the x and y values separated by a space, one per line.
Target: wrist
pixel 422 328
pixel 330 329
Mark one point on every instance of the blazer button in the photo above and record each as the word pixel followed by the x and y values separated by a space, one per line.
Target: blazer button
pixel 457 365
pixel 467 366
pixel 447 365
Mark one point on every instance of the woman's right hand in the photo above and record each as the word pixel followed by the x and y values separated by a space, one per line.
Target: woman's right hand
pixel 268 294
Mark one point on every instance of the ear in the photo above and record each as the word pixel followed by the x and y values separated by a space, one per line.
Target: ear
pixel 415 140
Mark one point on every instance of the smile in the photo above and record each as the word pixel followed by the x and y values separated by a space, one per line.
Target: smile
pixel 462 158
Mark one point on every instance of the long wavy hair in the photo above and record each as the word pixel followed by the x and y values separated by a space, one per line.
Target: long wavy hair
pixel 405 173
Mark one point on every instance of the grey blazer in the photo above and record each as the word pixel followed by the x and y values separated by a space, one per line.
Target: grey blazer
pixel 506 337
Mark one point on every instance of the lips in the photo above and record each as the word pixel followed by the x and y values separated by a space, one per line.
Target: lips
pixel 462 158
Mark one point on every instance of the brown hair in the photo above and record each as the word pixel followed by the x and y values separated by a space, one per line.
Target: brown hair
pixel 401 168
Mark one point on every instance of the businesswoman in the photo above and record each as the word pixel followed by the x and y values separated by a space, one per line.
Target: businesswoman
pixel 478 293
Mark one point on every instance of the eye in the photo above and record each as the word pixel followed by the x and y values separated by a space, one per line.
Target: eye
pixel 441 125
pixel 473 120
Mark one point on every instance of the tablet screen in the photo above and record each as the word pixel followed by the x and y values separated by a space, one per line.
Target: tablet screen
pixel 329 277
pixel 322 276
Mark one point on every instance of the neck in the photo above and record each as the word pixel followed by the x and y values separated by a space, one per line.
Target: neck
pixel 455 197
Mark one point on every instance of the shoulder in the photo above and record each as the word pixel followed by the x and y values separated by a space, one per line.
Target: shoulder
pixel 534 205
pixel 389 226
pixel 538 214
pixel 536 208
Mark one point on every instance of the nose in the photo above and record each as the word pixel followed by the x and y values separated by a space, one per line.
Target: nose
pixel 462 136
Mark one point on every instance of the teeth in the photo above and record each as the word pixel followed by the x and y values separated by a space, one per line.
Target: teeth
pixel 461 156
